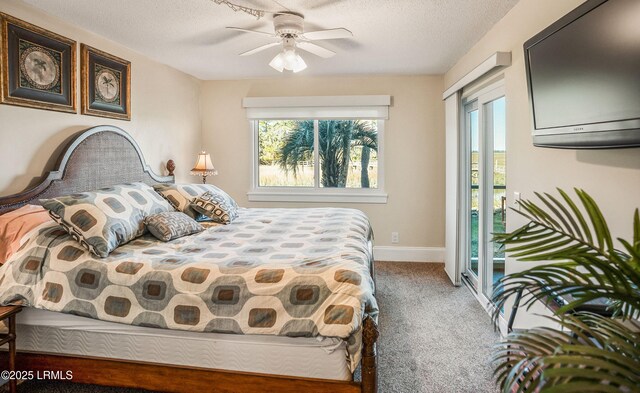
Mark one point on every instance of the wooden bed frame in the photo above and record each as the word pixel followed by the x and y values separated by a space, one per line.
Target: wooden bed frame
pixel 106 155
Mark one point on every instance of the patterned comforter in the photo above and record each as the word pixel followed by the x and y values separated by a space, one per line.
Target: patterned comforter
pixel 292 272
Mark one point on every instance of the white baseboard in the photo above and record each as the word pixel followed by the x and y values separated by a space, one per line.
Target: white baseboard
pixel 409 254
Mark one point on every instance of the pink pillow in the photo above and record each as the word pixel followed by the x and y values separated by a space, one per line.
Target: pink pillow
pixel 17 223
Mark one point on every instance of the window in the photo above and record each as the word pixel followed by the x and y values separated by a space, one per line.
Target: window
pixel 302 157
pixel 286 153
pixel 347 156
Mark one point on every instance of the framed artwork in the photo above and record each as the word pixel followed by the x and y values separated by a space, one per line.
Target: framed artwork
pixel 106 84
pixel 38 67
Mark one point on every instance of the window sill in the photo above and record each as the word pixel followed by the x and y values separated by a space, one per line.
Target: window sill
pixel 314 195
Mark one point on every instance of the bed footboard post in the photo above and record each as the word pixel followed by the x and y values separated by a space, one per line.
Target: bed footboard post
pixel 370 335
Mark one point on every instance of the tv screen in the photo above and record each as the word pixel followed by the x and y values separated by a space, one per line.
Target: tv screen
pixel 584 77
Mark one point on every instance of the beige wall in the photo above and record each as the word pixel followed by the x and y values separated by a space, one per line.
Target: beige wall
pixel 165 113
pixel 414 147
pixel 612 177
pixel 169 107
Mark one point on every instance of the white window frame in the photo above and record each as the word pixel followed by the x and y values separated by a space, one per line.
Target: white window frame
pixel 317 108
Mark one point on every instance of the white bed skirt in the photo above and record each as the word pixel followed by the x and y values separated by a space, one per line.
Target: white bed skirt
pixel 56 333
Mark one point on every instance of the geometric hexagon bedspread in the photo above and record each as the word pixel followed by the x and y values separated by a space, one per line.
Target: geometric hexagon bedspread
pixel 289 272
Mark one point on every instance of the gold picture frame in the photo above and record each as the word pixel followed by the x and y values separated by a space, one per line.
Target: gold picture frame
pixel 37 67
pixel 106 84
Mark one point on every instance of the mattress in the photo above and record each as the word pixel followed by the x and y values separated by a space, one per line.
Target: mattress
pixel 57 333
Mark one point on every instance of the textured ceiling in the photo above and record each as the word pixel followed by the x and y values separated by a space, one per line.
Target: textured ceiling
pixel 390 36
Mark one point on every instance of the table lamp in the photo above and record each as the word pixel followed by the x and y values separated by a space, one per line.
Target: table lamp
pixel 204 167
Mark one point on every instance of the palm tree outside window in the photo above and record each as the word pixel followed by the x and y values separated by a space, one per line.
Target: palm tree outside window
pixel 347 153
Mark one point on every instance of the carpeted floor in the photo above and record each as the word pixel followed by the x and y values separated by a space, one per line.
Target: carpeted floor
pixel 433 337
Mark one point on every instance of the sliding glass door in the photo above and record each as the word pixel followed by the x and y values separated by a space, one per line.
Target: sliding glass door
pixel 484 188
pixel 472 212
pixel 495 191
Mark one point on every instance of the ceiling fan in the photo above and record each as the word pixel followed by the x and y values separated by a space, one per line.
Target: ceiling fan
pixel 289 33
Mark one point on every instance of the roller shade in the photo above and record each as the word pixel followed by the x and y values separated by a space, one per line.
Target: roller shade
pixel 322 107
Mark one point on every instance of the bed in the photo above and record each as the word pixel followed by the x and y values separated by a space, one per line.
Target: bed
pixel 187 355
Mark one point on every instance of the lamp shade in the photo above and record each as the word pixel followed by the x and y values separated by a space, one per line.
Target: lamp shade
pixel 278 62
pixel 288 60
pixel 299 64
pixel 204 166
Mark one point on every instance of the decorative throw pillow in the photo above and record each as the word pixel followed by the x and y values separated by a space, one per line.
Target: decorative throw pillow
pixel 181 195
pixel 104 219
pixel 218 206
pixel 16 224
pixel 167 226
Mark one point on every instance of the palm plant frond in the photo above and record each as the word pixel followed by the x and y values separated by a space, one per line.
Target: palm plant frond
pixel 587 265
pixel 590 350
pixel 591 353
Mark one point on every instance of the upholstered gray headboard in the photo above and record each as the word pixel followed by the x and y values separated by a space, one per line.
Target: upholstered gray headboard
pixel 97 157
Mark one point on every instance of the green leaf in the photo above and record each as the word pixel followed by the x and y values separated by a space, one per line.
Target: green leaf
pixel 581 387
pixel 597 220
pixel 592 353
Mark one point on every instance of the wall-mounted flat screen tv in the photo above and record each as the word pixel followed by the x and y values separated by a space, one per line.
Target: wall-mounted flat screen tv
pixel 583 75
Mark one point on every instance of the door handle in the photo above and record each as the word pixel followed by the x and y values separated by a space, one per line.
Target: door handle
pixel 503 203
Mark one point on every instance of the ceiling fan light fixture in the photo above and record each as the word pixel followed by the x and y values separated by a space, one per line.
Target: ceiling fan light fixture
pixel 300 64
pixel 278 62
pixel 289 31
pixel 289 60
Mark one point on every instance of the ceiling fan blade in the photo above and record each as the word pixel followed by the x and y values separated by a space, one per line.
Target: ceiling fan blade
pixel 252 31
pixel 330 34
pixel 316 49
pixel 259 49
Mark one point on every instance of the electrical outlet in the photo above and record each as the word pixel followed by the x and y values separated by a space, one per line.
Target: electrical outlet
pixel 395 238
